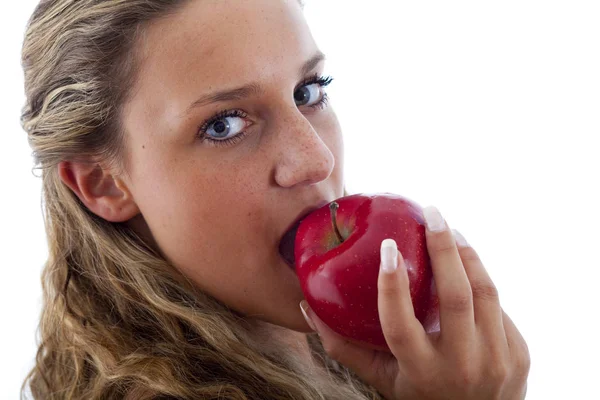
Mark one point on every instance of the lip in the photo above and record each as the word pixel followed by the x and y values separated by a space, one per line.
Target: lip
pixel 285 244
pixel 303 214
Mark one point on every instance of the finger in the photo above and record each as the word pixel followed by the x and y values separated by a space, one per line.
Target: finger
pixel 486 303
pixel 520 358
pixel 518 346
pixel 403 332
pixel 376 368
pixel 457 321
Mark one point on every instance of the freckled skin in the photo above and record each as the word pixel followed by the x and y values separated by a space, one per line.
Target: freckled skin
pixel 218 213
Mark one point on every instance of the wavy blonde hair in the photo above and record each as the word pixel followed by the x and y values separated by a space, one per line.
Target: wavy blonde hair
pixel 118 321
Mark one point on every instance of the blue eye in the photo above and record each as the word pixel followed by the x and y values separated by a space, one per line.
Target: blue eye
pixel 311 92
pixel 308 95
pixel 228 127
pixel 222 128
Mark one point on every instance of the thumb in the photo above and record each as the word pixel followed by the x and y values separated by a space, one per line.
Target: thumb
pixel 370 365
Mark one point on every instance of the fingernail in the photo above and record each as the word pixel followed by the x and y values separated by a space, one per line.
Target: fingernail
pixel 433 218
pixel 389 255
pixel 303 308
pixel 460 239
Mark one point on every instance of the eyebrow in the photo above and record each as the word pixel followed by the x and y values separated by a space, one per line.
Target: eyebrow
pixel 250 89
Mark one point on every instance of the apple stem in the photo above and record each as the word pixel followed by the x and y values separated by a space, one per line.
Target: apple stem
pixel 333 208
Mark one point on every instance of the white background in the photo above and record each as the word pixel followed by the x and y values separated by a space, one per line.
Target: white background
pixel 488 110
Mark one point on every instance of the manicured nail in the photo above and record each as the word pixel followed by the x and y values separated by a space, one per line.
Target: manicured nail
pixel 389 255
pixel 433 218
pixel 303 308
pixel 460 239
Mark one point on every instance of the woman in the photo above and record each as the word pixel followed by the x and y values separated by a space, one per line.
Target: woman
pixel 178 141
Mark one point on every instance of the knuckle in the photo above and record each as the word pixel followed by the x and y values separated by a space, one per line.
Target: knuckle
pixel 485 291
pixel 469 254
pixel 465 375
pixel 388 289
pixel 523 362
pixel 442 246
pixel 498 373
pixel 397 335
pixel 459 302
pixel 521 355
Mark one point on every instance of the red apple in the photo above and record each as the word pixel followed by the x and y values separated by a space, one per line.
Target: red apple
pixel 337 258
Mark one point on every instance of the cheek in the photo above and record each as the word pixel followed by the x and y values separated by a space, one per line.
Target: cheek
pixel 188 202
pixel 160 186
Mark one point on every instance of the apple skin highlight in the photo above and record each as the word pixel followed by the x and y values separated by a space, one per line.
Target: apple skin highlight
pixel 339 278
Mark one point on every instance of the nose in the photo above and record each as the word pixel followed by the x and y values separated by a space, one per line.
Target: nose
pixel 304 158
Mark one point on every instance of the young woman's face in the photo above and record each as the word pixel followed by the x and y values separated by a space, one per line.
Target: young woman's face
pixel 245 74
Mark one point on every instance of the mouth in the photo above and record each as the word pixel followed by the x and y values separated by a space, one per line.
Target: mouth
pixel 287 243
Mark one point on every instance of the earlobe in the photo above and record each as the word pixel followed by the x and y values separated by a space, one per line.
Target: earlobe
pixel 99 190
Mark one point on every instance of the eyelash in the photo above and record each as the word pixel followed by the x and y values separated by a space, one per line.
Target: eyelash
pixel 323 81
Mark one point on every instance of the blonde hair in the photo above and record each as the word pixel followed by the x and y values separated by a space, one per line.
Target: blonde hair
pixel 118 321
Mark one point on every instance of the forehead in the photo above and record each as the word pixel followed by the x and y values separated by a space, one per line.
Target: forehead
pixel 223 42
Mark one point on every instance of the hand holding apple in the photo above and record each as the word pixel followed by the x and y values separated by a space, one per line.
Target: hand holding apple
pixel 337 262
pixel 478 353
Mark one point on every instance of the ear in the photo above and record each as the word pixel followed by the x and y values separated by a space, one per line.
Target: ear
pixel 99 190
